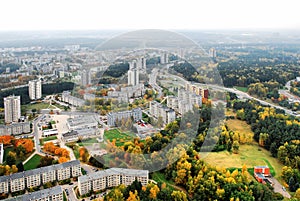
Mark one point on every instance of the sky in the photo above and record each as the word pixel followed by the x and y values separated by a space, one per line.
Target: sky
pixel 148 14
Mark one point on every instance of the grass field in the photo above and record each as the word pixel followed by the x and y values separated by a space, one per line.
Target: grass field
pixel 160 177
pixel 240 127
pixel 250 155
pixel 43 140
pixel 37 106
pixel 33 162
pixel 87 141
pixel 120 137
pixel 243 89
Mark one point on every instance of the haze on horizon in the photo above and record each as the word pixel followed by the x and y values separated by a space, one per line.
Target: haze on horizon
pixel 27 15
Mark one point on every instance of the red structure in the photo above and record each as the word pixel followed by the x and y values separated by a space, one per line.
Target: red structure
pixel 261 172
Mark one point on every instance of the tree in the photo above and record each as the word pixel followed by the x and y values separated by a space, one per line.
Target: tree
pixel 84 154
pixel 179 196
pixel 20 167
pixel 297 194
pixel 11 158
pixel 235 147
pixel 63 160
pixel 14 169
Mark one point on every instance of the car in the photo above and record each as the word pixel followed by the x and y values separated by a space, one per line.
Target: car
pixel 283 188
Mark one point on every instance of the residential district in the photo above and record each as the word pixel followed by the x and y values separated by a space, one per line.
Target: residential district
pixel 63 116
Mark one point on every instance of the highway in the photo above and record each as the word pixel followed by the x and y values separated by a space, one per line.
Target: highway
pixel 241 94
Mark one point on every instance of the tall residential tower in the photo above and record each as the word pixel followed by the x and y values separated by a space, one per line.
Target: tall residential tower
pixel 35 89
pixel 12 109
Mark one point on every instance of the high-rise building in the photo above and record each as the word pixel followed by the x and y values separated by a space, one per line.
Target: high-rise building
pixel 164 58
pixel 141 63
pixel 133 77
pixel 86 77
pixel 35 89
pixel 212 53
pixel 12 109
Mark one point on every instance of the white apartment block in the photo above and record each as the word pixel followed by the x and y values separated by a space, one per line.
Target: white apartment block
pixel 17 182
pixel 72 100
pixel 15 128
pixel 12 109
pixel 133 77
pixel 86 77
pixel 110 178
pixel 184 102
pixel 4 184
pixel 158 110
pixel 36 177
pixel 35 89
pixel 1 153
pixel 113 117
pixel 164 58
pixel 50 194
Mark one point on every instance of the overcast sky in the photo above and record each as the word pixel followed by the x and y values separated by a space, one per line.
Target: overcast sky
pixel 141 14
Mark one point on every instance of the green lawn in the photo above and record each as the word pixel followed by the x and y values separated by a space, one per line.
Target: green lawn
pixel 87 141
pixel 43 140
pixel 243 89
pixel 37 106
pixel 121 138
pixel 250 155
pixel 33 162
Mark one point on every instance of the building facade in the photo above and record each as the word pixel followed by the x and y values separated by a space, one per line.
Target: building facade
pixel 12 109
pixel 35 89
pixel 110 178
pixel 36 177
pixel 113 117
pixel 86 77
pixel 50 194
pixel 15 128
pixel 157 110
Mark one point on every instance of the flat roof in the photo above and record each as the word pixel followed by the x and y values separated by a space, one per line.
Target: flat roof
pixel 113 171
pixel 38 194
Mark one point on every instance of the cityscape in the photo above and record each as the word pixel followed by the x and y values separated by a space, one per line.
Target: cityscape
pixel 113 101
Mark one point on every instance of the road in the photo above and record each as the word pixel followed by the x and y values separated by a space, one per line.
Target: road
pixel 239 93
pixel 36 134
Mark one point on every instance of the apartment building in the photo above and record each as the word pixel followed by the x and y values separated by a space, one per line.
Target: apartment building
pixel 110 178
pixel 157 110
pixel 50 194
pixel 72 100
pixel 15 128
pixel 12 109
pixel 113 117
pixel 195 88
pixel 35 89
pixel 36 177
pixel 1 153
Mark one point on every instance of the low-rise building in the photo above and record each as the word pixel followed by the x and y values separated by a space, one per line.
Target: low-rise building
pixel 83 133
pixel 15 128
pixel 82 121
pixel 113 117
pixel 50 132
pixel 50 194
pixel 110 178
pixel 36 177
